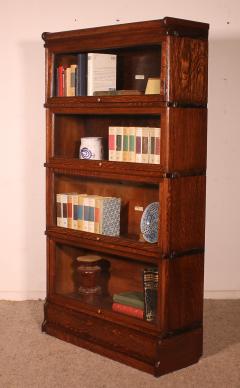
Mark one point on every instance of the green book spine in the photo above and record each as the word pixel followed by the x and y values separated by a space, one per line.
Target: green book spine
pixel 130 299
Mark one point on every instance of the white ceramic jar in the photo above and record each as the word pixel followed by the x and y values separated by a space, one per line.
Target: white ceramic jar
pixel 91 148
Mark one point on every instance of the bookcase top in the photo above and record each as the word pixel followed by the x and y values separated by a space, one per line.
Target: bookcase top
pixel 161 27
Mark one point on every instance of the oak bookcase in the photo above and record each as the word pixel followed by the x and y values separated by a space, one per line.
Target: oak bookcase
pixel 176 51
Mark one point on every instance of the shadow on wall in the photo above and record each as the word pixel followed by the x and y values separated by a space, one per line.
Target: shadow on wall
pixel 34 198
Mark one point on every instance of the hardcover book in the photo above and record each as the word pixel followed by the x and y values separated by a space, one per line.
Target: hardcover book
pixel 101 72
pixel 119 144
pixel 130 298
pixel 110 216
pixel 80 211
pixel 69 211
pixel 64 201
pixel 138 145
pixel 132 145
pixel 60 80
pixel 145 147
pixel 128 310
pixel 152 145
pixel 125 144
pixel 82 74
pixel 91 213
pixel 150 284
pixel 75 211
pixel 73 69
pixel 68 89
pixel 112 143
pixel 59 210
pixel 157 135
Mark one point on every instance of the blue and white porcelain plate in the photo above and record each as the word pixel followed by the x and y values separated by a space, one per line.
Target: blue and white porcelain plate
pixel 149 222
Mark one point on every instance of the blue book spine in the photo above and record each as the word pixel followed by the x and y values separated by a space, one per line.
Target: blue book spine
pixel 82 75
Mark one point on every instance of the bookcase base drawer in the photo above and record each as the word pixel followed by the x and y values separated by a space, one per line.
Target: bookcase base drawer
pixel 142 351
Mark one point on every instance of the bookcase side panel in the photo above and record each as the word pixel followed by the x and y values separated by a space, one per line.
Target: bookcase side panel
pixel 187 140
pixel 49 135
pixel 49 73
pixel 165 216
pixel 184 292
pixel 187 214
pixel 188 64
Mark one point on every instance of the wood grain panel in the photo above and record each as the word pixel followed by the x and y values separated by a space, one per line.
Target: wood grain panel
pixel 182 217
pixel 184 292
pixel 187 139
pixel 188 62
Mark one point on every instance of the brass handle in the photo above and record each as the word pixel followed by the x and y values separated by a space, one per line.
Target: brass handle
pixel 98 99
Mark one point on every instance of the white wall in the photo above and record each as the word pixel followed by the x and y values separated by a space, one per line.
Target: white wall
pixel 22 155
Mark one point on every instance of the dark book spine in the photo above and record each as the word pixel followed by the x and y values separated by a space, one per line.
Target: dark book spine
pixel 150 285
pixel 82 75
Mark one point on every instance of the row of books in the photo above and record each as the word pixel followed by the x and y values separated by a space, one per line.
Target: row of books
pixel 142 305
pixel 89 213
pixel 93 72
pixel 134 144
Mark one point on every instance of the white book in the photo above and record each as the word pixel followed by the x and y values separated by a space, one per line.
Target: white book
pixel 157 135
pixel 138 145
pixel 101 72
pixel 75 211
pixel 91 211
pixel 152 145
pixel 132 144
pixel 64 202
pixel 80 210
pixel 119 144
pixel 145 145
pixel 125 144
pixel 85 213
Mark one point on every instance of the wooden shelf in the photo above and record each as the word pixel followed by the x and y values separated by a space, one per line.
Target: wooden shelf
pixel 102 309
pixel 142 104
pixel 126 247
pixel 137 172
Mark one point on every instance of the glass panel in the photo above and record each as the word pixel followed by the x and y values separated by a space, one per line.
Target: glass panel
pixel 128 138
pixel 112 208
pixel 132 68
pixel 112 284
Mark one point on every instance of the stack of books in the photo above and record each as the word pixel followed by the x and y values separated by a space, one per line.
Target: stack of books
pixel 134 144
pixel 129 303
pixel 142 305
pixel 89 213
pixel 93 72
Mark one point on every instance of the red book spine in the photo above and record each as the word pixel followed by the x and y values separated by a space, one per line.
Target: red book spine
pixel 111 142
pixel 60 81
pixel 128 310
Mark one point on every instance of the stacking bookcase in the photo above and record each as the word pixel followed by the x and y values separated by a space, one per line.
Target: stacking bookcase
pixel 89 274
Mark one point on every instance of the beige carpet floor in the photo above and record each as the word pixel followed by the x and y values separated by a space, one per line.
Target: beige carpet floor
pixel 29 358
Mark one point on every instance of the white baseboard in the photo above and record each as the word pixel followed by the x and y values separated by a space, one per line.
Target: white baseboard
pixel 22 295
pixel 36 295
pixel 227 294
